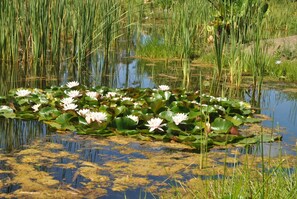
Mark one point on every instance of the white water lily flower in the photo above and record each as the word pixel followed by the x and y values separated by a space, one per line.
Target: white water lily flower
pixel 219 107
pixel 212 99
pixel 23 92
pixel 69 107
pixel 221 99
pixel 164 87
pixel 127 99
pixel 136 105
pixel 73 94
pixel 36 107
pixel 72 84
pixel 37 91
pixel 83 112
pixel 245 105
pixel 155 123
pixel 95 117
pixel 195 102
pixel 5 108
pixel 134 118
pixel 67 100
pixel 92 94
pixel 179 117
pixel 111 94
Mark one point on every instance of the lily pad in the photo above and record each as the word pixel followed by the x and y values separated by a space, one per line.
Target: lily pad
pixel 220 125
pixel 124 123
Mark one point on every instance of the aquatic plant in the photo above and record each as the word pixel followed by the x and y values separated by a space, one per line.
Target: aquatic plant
pixel 179 117
pixel 95 117
pixel 23 92
pixel 158 114
pixel 155 123
pixel 67 100
pixel 72 84
pixel 164 87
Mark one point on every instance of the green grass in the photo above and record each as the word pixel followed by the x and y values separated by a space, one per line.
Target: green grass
pixel 155 48
pixel 256 177
pixel 40 35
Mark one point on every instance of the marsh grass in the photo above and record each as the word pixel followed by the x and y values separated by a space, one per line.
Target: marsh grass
pixel 39 35
pixel 282 18
pixel 255 177
pixel 285 71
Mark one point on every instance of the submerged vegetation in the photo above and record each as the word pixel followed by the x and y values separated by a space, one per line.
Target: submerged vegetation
pixel 80 166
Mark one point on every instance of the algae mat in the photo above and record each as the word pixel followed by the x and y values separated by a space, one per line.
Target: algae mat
pixel 68 165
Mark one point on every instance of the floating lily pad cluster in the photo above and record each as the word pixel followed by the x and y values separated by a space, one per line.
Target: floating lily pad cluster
pixel 149 114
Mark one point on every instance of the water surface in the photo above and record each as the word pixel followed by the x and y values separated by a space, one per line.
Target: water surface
pixel 125 167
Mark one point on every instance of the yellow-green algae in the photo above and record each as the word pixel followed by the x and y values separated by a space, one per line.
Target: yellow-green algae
pixel 170 160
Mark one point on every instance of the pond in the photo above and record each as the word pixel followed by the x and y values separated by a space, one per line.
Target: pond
pixel 37 161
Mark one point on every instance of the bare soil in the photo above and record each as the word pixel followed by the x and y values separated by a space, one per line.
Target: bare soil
pixel 279 44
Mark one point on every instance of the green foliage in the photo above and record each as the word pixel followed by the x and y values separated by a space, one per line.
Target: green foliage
pixel 160 114
pixel 286 70
pixel 155 48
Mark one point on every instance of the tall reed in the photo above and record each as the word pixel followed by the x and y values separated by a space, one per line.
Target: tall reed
pixel 39 35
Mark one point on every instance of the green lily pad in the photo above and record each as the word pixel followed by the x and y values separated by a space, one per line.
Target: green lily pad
pixel 48 113
pixel 64 118
pixel 146 103
pixel 252 120
pixel 120 110
pixel 27 116
pixel 248 141
pixel 167 115
pixel 22 101
pixel 157 106
pixel 167 95
pixel 123 123
pixel 158 137
pixel 237 120
pixel 220 125
pixel 8 114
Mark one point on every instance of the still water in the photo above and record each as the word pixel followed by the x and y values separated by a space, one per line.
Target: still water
pixel 76 155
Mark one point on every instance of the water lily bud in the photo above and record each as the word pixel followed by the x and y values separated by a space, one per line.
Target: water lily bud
pixel 234 130
pixel 207 127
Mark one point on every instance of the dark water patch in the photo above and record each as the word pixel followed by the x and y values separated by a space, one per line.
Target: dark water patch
pixel 68 176
pixel 16 134
pixel 279 170
pixel 267 149
pixel 91 151
pixel 10 188
pixel 284 171
pixel 129 194
pixel 137 155
pixel 5 174
pixel 158 178
pixel 65 175
pixel 230 164
pixel 281 107
pixel 212 177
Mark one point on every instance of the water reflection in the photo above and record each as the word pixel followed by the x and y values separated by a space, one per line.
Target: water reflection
pixel 281 107
pixel 123 72
pixel 15 134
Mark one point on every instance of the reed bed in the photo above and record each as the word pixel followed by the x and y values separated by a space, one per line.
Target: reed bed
pixel 37 36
